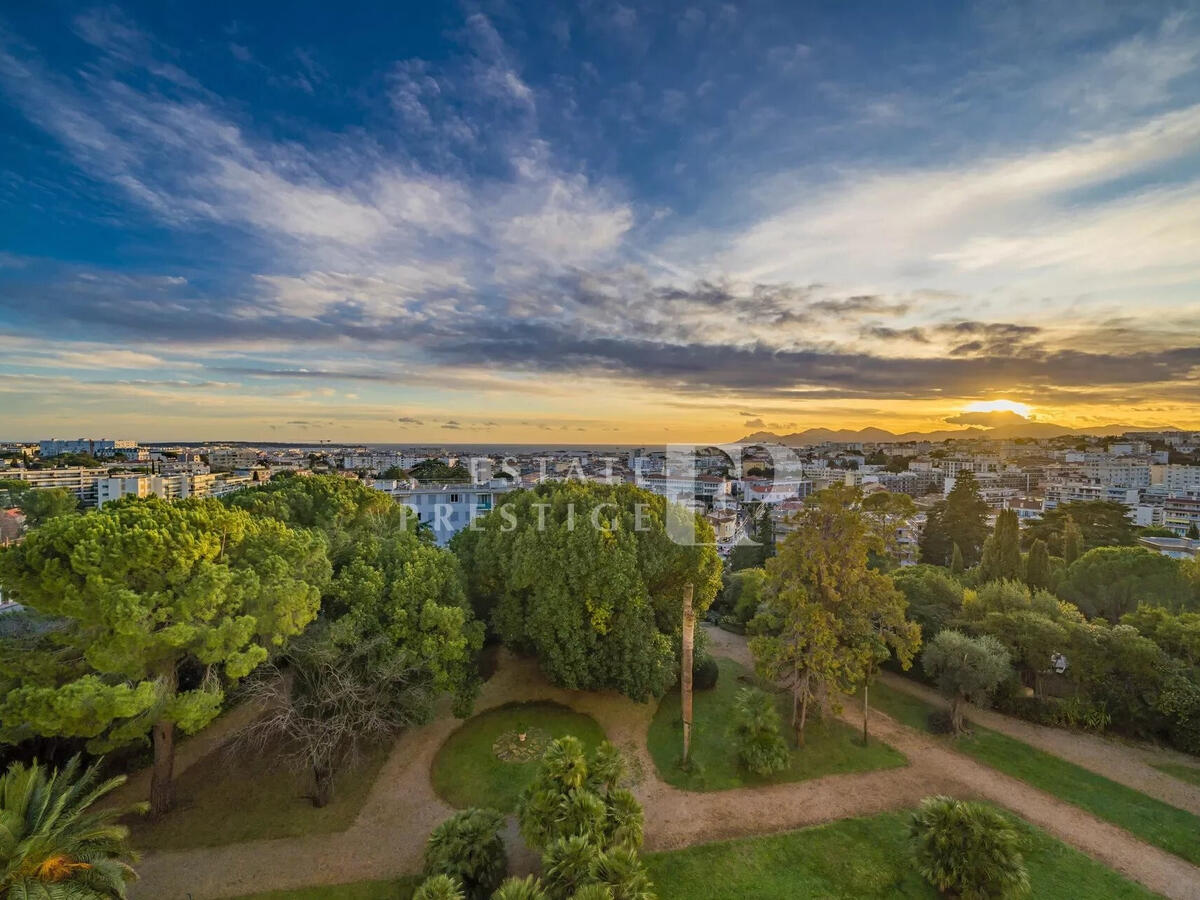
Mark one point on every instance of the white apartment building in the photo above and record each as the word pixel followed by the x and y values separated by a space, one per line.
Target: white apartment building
pixel 1176 479
pixel 226 459
pixel 1180 513
pixel 169 487
pixel 766 490
pixel 704 488
pixel 1114 473
pixel 77 479
pixel 448 508
pixel 100 448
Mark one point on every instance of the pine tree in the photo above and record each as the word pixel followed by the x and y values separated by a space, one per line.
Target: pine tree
pixel 1072 542
pixel 1193 532
pixel 1037 566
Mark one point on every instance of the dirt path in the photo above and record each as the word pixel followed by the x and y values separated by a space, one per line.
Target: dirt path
pixel 1121 761
pixel 387 838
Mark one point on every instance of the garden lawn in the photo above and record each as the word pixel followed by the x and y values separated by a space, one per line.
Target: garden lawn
pixel 1183 773
pixel 858 858
pixel 830 747
pixel 401 889
pixel 1155 822
pixel 225 799
pixel 467 772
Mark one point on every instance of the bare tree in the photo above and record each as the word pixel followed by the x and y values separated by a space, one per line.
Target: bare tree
pixel 323 703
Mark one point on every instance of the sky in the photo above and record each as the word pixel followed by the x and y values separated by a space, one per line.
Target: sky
pixel 596 222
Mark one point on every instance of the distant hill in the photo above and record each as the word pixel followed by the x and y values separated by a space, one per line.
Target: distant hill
pixel 882 435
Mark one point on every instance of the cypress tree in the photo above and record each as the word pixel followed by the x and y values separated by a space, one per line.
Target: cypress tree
pixel 1072 542
pixel 1002 551
pixel 1037 566
pixel 956 561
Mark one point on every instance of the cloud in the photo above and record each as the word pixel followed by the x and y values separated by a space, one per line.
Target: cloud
pixel 990 419
pixel 409 420
pixel 754 423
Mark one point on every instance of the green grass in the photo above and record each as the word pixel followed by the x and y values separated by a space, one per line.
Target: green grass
pixel 1190 774
pixel 400 889
pixel 228 800
pixel 830 747
pixel 466 772
pixel 1155 822
pixel 858 858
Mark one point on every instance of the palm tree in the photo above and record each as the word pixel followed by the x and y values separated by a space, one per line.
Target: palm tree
pixel 968 850
pixel 53 845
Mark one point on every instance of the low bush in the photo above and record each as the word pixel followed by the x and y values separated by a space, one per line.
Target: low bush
pixel 705 673
pixel 757 734
pixel 968 850
pixel 468 848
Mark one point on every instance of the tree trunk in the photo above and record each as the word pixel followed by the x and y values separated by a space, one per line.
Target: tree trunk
pixel 803 710
pixel 323 776
pixel 162 777
pixel 685 668
pixel 866 711
pixel 956 716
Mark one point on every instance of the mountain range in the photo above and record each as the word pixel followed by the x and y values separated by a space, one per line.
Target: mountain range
pixel 882 435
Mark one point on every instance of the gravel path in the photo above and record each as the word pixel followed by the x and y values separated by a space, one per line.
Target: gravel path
pixel 1121 761
pixel 387 838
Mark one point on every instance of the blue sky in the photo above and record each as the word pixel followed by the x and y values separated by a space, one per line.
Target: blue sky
pixel 606 221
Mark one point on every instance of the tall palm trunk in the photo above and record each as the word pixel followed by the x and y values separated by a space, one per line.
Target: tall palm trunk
pixel 685 668
pixel 866 712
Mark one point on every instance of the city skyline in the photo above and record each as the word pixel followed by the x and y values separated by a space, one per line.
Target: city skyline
pixel 488 223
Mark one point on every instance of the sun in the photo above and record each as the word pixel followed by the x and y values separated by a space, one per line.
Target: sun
pixel 1021 409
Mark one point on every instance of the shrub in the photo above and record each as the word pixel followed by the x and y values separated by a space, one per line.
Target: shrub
pixel 939 722
pixel 625 875
pixel 594 891
pixel 567 864
pixel 732 623
pixel 705 674
pixel 969 850
pixel 756 733
pixel 439 887
pixel 527 888
pixel 468 847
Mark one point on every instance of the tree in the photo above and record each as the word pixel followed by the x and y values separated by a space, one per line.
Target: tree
pixel 1177 633
pixel 389 581
pixel 1072 541
pixel 1112 581
pixel 589 828
pixel 468 848
pixel 965 669
pixel 828 618
pixel 42 505
pixel 755 732
pixel 1002 551
pixel 743 593
pixel 934 598
pixel 1100 523
pixel 590 578
pixel 162 603
pixel 54 842
pixel 323 702
pixel 968 850
pixel 887 513
pixel 752 554
pixel 957 565
pixel 1037 566
pixel 1193 532
pixel 960 519
pixel 434 471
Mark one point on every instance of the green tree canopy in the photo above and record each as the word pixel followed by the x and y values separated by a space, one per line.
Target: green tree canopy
pixel 1101 523
pixel 434 471
pixel 828 619
pixel 934 598
pixel 1112 581
pixel 145 588
pixel 388 581
pixel 1002 550
pixel 959 520
pixel 587 577
pixel 965 668
pixel 1038 572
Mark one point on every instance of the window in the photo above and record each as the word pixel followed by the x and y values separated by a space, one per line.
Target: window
pixel 454 498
